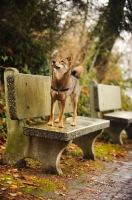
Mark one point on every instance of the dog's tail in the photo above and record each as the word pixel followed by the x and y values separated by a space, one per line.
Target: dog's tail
pixel 78 71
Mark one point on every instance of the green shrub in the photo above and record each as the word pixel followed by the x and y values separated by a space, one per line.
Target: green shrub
pixel 3 124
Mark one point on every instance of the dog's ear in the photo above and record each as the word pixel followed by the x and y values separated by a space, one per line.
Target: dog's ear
pixel 70 58
pixel 59 55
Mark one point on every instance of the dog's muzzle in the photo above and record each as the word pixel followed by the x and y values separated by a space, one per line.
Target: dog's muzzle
pixel 54 65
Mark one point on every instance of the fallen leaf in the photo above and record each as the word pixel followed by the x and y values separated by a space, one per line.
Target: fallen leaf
pixel 63 157
pixel 9 182
pixel 64 188
pixel 3 189
pixel 13 194
pixel 19 193
pixel 120 154
pixel 56 192
pixel 73 147
pixel 16 175
pixel 1 122
pixel 2 139
pixel 62 194
pixel 29 183
pixel 13 187
pixel 14 170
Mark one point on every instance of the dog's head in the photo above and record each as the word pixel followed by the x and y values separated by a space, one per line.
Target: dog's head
pixel 63 64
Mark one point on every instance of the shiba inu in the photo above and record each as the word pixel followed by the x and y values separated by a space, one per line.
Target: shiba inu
pixel 64 83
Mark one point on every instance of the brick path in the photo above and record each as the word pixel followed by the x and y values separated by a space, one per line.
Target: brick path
pixel 112 183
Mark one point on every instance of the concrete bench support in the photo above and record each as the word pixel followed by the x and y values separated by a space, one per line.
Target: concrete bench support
pixel 28 96
pixel 115 131
pixel 105 103
pixel 46 144
pixel 129 131
pixel 86 143
pixel 46 151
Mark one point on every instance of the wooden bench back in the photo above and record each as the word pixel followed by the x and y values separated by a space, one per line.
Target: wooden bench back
pixel 104 97
pixel 29 96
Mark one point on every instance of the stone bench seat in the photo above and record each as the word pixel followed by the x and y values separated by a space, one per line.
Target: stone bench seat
pixel 119 116
pixel 85 125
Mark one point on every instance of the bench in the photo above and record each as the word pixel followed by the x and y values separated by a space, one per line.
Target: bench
pixel 105 102
pixel 28 96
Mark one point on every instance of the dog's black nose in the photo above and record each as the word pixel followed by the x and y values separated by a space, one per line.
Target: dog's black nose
pixel 53 62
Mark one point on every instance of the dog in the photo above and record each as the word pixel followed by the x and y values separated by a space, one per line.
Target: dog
pixel 64 83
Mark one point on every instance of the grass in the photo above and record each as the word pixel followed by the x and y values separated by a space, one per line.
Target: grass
pixel 39 187
pixel 108 151
pixel 6 179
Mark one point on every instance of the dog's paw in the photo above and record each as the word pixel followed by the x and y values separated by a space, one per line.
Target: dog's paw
pixel 60 126
pixel 73 124
pixel 50 123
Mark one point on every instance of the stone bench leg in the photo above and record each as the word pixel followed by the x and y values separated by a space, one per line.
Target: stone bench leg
pixel 47 152
pixel 115 130
pixel 129 131
pixel 16 144
pixel 86 143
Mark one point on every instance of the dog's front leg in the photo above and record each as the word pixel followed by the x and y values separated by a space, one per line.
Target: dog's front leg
pixel 62 108
pixel 74 115
pixel 74 101
pixel 50 123
pixel 59 105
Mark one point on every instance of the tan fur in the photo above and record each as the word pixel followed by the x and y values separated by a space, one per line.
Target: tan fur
pixel 64 83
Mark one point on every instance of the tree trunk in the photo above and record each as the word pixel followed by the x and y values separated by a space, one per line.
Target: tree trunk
pixel 106 32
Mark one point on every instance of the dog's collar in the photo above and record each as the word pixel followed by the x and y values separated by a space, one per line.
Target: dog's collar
pixel 62 90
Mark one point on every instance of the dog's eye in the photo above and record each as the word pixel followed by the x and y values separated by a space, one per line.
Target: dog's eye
pixel 62 61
